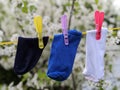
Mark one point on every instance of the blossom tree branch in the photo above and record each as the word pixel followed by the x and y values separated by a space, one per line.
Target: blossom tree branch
pixel 69 24
pixel 71 13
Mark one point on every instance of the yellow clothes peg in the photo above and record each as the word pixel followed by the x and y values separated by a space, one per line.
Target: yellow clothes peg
pixel 38 26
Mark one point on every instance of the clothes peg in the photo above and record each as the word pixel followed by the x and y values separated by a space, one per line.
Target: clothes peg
pixel 65 29
pixel 99 17
pixel 38 26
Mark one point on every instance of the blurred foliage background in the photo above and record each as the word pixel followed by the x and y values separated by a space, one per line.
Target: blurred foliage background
pixel 16 19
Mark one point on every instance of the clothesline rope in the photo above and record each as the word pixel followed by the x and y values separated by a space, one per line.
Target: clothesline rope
pixel 15 42
pixel 114 29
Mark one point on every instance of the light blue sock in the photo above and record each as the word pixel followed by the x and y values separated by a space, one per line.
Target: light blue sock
pixel 62 56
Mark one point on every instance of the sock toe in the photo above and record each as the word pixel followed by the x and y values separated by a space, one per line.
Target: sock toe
pixel 59 76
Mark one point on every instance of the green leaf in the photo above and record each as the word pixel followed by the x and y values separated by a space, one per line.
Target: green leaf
pixel 0 87
pixel 19 5
pixel 67 4
pixel 114 34
pixel 1 5
pixel 24 9
pixel 5 57
pixel 88 6
pixel 96 1
pixel 101 88
pixel 32 8
pixel 100 7
pixel 27 22
pixel 25 3
pixel 110 68
pixel 115 88
pixel 25 77
pixel 76 4
pixel 41 74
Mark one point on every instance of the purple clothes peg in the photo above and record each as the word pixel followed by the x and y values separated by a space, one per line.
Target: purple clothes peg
pixel 65 29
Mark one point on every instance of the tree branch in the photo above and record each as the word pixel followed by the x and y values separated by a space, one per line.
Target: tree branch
pixel 74 83
pixel 71 13
pixel 69 24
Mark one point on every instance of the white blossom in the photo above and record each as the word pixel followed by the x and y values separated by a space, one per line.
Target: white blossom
pixel 15 23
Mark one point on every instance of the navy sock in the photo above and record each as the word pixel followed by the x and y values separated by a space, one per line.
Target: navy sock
pixel 62 57
pixel 28 54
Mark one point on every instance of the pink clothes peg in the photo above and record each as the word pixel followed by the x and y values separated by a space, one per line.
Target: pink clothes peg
pixel 99 17
pixel 65 29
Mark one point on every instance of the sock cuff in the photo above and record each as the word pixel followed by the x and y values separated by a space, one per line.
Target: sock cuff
pixel 31 42
pixel 75 32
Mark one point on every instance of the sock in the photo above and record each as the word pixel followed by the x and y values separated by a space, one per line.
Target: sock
pixel 95 50
pixel 28 54
pixel 62 56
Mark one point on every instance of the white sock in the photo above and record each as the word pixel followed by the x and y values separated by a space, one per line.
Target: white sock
pixel 95 50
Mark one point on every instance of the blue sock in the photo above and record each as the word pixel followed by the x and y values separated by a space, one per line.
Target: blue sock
pixel 62 57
